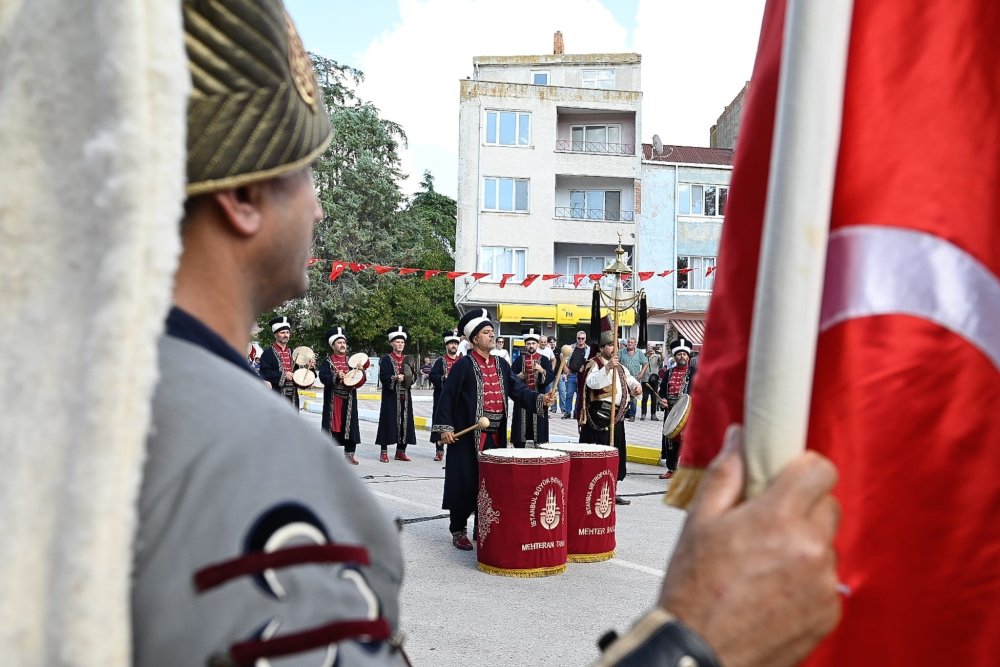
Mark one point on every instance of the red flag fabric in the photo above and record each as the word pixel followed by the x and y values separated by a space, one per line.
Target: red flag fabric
pixel 384 269
pixel 311 261
pixel 479 276
pixel 452 275
pixel 336 270
pixel 684 272
pixel 710 270
pixel 551 276
pixel 664 274
pixel 578 278
pixel 430 274
pixel 532 277
pixel 906 392
pixel 595 276
pixel 407 271
pixel 646 275
pixel 357 268
pixel 504 279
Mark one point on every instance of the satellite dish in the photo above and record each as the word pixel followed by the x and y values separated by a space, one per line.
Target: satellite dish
pixel 657 146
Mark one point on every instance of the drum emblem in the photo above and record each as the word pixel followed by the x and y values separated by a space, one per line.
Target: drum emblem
pixel 549 516
pixel 604 503
pixel 488 515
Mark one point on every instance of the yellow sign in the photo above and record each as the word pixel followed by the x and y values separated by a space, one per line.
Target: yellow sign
pixel 569 313
pixel 516 312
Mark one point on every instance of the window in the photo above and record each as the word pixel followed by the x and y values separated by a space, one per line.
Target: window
pixel 586 264
pixel 508 128
pixel 505 194
pixel 695 279
pixel 540 78
pixel 497 261
pixel 597 138
pixel 702 199
pixel 596 205
pixel 598 78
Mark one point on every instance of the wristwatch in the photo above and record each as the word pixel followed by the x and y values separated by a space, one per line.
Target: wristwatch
pixel 659 640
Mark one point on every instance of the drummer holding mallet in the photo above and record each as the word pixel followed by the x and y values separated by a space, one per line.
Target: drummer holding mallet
pixel 340 400
pixel 478 386
pixel 676 381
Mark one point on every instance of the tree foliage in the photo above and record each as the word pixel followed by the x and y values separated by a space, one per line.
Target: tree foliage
pixel 367 219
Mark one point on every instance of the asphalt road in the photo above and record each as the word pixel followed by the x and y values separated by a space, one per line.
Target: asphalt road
pixel 455 615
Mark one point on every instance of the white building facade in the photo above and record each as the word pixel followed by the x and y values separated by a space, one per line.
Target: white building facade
pixel 550 173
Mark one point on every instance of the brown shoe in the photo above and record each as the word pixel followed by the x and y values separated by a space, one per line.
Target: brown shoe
pixel 461 540
pixel 439 456
pixel 384 456
pixel 351 458
pixel 667 475
pixel 401 456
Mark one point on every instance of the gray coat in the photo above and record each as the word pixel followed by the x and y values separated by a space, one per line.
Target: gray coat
pixel 231 471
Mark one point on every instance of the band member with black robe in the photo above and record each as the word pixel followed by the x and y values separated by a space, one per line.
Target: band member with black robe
pixel 276 361
pixel 340 402
pixel 676 381
pixel 438 375
pixel 535 370
pixel 595 413
pixel 395 418
pixel 479 385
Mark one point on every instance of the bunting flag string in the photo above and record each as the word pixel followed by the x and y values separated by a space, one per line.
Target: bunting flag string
pixel 338 267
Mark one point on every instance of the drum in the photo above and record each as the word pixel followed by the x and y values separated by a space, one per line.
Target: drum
pixel 354 378
pixel 590 500
pixel 522 512
pixel 302 355
pixel 359 361
pixel 304 378
pixel 677 418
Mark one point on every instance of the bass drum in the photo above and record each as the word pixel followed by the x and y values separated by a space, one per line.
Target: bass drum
pixel 304 378
pixel 677 418
pixel 359 361
pixel 354 378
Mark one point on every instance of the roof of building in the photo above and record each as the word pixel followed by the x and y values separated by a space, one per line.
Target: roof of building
pixel 689 155
pixel 561 59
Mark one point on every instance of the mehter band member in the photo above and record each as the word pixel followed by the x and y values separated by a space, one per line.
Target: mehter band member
pixel 479 385
pixel 677 381
pixel 395 418
pixel 340 401
pixel 438 376
pixel 276 361
pixel 535 370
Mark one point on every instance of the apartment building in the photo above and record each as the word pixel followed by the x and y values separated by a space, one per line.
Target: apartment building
pixel 549 181
pixel 685 192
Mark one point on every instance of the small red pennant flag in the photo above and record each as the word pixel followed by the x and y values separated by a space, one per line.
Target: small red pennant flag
pixel 479 276
pixel 666 273
pixel 578 278
pixel 452 275
pixel 646 275
pixel 532 277
pixel 505 278
pixel 551 276
pixel 710 270
pixel 430 274
pixel 684 272
pixel 383 269
pixel 336 270
pixel 406 272
pixel 595 276
pixel 311 261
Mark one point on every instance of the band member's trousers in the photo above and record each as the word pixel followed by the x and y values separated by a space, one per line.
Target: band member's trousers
pixel 648 394
pixel 671 451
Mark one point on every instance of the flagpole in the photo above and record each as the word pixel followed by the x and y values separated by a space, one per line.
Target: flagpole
pixel 789 286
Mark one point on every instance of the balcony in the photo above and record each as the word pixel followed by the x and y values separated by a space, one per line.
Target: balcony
pixel 595 147
pixel 607 283
pixel 596 214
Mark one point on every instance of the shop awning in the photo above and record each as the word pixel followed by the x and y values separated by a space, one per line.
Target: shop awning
pixel 522 312
pixel 564 313
pixel 693 330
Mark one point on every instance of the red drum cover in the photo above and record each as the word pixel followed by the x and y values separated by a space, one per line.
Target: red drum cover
pixel 593 479
pixel 522 512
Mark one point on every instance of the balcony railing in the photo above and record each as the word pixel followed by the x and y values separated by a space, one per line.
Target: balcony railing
pixel 605 215
pixel 570 146
pixel 607 282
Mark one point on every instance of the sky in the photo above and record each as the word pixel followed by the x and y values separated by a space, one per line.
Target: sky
pixel 696 56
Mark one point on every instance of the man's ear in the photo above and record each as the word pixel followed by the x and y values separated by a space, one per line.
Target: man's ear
pixel 241 208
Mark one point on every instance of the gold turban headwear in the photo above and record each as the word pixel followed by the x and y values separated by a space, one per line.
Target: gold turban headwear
pixel 255 110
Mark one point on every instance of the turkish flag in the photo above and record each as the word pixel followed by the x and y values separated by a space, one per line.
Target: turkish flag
pixel 906 388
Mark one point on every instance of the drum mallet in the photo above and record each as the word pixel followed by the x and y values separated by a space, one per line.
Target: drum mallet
pixel 482 423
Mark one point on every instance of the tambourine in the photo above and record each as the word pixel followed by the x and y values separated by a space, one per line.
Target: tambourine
pixel 360 361
pixel 304 378
pixel 302 356
pixel 677 418
pixel 354 378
